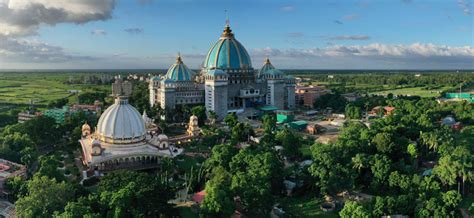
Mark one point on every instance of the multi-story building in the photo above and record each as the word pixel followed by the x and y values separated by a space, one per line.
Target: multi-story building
pixel 306 95
pixel 226 83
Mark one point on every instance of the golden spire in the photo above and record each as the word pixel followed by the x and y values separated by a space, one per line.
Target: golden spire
pixel 267 61
pixel 178 59
pixel 227 31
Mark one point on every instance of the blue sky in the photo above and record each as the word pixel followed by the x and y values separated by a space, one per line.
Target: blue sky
pixel 336 34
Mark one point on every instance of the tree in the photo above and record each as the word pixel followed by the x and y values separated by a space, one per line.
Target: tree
pixel 49 167
pixel 45 196
pixel 381 165
pixel 290 142
pixel 231 120
pixel 200 112
pixel 219 200
pixel 17 186
pixel 129 193
pixel 91 97
pixel 58 103
pixel 212 116
pixel 221 156
pixel 458 164
pixel 139 97
pixel 241 133
pixel 353 209
pixel 384 142
pixel 332 172
pixel 353 112
pixel 80 208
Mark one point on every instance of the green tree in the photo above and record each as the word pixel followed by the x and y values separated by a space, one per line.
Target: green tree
pixel 231 120
pixel 384 142
pixel 219 200
pixel 353 209
pixel 290 142
pixel 45 196
pixel 17 186
pixel 221 156
pixel 353 112
pixel 200 112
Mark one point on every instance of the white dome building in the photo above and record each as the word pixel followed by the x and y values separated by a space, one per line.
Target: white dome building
pixel 121 123
pixel 122 141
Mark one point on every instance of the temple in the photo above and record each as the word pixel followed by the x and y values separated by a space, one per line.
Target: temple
pixel 227 82
pixel 124 139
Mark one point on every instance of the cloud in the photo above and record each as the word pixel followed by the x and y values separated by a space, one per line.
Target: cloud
pixel 34 51
pixel 288 8
pixel 465 6
pixel 348 37
pixel 98 32
pixel 20 17
pixel 134 30
pixel 338 22
pixel 376 55
pixel 350 17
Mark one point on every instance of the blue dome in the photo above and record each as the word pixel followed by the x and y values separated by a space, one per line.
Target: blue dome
pixel 156 78
pixel 227 53
pixel 267 66
pixel 179 72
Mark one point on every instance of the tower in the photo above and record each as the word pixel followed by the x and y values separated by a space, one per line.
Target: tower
pixel 216 82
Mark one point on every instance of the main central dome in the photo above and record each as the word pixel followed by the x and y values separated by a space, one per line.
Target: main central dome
pixel 227 53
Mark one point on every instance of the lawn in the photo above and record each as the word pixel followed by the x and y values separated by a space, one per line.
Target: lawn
pixel 304 207
pixel 41 88
pixel 414 91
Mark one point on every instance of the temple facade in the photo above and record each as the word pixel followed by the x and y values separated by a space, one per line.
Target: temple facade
pixel 226 83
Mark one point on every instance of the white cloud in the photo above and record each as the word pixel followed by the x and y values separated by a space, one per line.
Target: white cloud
pixel 465 6
pixel 24 17
pixel 383 56
pixel 30 50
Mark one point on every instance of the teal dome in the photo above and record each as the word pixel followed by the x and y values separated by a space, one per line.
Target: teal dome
pixel 179 72
pixel 267 66
pixel 227 53
pixel 216 73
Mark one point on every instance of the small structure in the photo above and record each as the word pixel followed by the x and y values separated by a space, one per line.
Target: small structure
pixel 285 116
pixel 193 126
pixel 298 125
pixel 58 114
pixel 9 169
pixel 27 115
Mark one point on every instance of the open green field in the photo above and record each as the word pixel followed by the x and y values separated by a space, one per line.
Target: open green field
pixel 41 88
pixel 415 91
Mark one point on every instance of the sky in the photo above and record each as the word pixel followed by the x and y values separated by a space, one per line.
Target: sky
pixel 302 34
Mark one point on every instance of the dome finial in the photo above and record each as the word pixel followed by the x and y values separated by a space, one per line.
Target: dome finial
pixel 267 61
pixel 178 58
pixel 227 31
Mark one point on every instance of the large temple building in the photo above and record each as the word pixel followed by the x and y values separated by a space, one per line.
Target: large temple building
pixel 227 82
pixel 123 139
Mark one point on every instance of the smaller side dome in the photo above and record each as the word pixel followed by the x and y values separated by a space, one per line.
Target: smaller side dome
pixel 86 126
pixel 267 65
pixel 162 137
pixel 179 71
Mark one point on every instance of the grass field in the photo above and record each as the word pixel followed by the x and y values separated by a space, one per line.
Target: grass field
pixel 41 88
pixel 415 91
